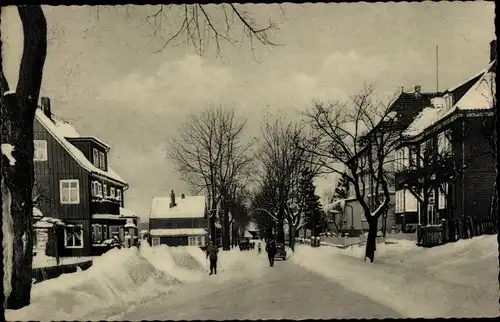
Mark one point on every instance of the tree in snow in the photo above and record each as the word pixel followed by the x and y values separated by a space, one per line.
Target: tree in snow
pixel 360 135
pixel 340 193
pixel 282 163
pixel 211 154
pixel 310 204
pixel 18 113
pixel 17 116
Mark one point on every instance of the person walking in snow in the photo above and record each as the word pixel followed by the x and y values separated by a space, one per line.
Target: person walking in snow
pixel 271 250
pixel 258 248
pixel 212 254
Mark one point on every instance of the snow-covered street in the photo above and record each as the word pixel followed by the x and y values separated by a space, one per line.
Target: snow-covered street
pixel 285 291
pixel 173 283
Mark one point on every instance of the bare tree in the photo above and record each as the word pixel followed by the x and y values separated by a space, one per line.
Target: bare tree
pixel 360 136
pixel 211 155
pixel 283 165
pixel 18 114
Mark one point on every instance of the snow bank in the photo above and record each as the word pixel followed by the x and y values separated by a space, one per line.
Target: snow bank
pixel 454 280
pixel 131 276
pixel 115 278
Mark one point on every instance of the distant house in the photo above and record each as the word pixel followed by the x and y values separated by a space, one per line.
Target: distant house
pixel 78 185
pixel 346 215
pixel 178 222
pixel 452 134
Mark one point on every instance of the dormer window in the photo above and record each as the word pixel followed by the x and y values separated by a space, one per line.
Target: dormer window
pixel 95 157
pixel 102 161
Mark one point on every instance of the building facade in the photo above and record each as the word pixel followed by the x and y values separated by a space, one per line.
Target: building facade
pixel 446 160
pixel 77 186
pixel 178 222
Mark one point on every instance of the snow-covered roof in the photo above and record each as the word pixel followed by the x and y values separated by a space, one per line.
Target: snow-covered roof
pixel 478 97
pixel 471 78
pixel 127 212
pixel 247 234
pixel 251 226
pixel 37 213
pixel 178 232
pixel 61 130
pixel 48 222
pixel 426 118
pixel 111 216
pixel 336 205
pixel 189 207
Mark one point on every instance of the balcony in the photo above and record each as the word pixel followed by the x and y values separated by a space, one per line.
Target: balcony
pixel 104 206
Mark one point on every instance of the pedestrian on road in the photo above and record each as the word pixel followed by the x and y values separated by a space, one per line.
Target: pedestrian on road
pixel 212 252
pixel 258 248
pixel 271 250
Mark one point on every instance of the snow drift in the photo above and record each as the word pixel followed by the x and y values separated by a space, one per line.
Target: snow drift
pixel 115 278
pixel 454 280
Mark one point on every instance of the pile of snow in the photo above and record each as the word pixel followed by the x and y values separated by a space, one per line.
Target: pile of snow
pixel 115 278
pixel 124 277
pixel 454 280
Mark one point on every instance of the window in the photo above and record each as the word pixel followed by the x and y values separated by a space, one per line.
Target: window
pixel 95 158
pixel 442 202
pixel 104 232
pixel 114 231
pixel 112 192
pixel 93 188
pixel 196 241
pixel 97 233
pixel 69 191
pixel 431 209
pixel 155 241
pixel 40 150
pixel 423 156
pixel 99 188
pixel 73 236
pixel 104 189
pixel 118 194
pixel 102 161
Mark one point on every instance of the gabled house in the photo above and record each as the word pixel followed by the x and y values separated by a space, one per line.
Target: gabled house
pixel 79 186
pixel 446 160
pixel 178 222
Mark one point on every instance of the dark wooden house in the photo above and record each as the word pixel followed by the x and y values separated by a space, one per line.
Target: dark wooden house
pixel 404 109
pixel 448 154
pixel 178 221
pixel 79 187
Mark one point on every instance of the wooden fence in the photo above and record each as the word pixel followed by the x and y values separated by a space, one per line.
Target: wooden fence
pixel 46 273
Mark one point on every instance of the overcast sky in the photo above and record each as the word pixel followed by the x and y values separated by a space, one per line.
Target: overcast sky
pixel 103 75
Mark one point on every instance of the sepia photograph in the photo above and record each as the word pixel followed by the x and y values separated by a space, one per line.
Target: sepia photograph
pixel 249 161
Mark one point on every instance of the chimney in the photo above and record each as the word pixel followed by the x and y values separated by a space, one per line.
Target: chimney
pixel 45 102
pixel 172 199
pixel 418 91
pixel 493 50
pixel 183 196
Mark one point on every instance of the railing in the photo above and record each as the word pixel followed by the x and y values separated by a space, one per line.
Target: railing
pixel 46 273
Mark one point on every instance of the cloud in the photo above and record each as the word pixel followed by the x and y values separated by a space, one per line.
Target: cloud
pixel 175 82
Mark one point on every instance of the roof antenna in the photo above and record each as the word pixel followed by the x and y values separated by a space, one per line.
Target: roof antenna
pixel 437 69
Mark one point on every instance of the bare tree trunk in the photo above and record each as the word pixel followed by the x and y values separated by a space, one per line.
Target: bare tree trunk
pixel 371 241
pixel 292 237
pixel 17 172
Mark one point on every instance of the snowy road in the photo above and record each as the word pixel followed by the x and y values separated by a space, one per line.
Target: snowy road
pixel 286 291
